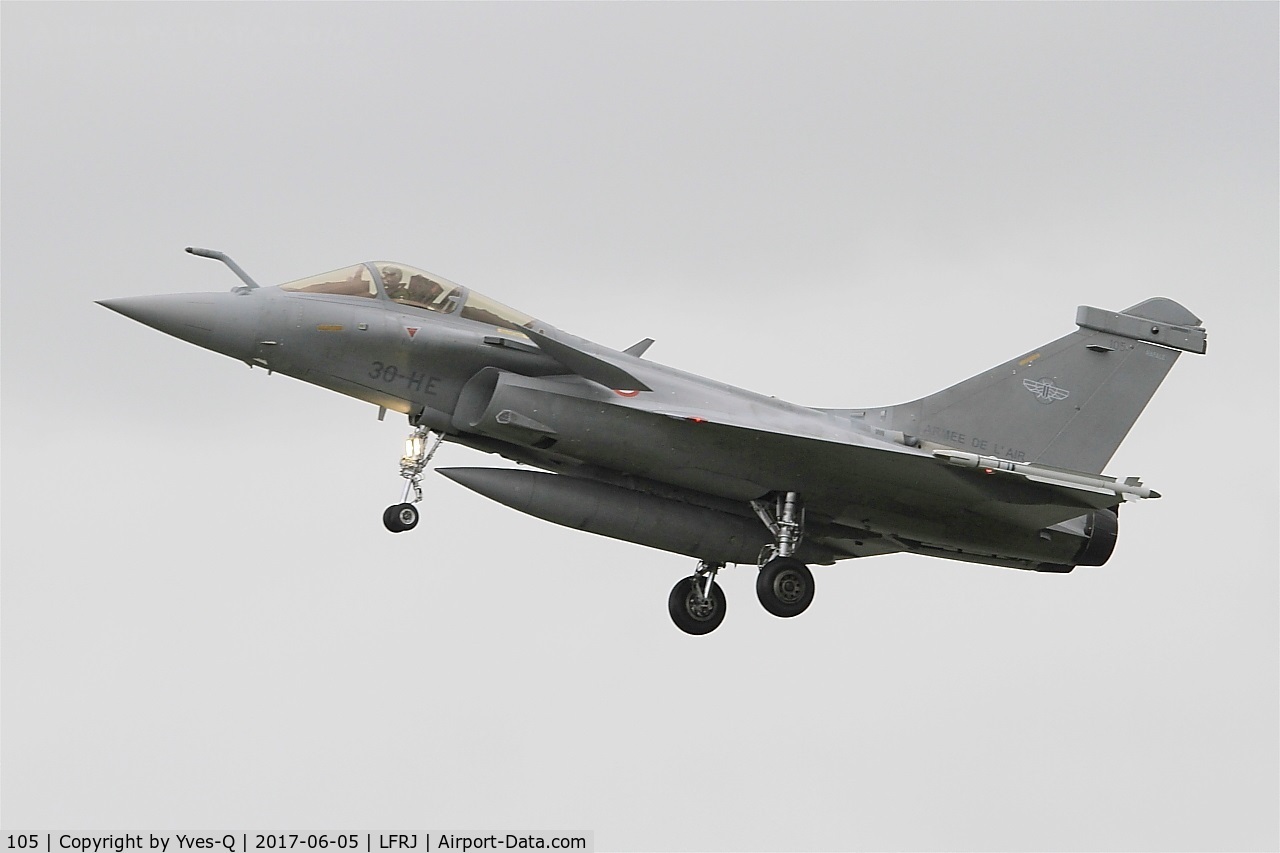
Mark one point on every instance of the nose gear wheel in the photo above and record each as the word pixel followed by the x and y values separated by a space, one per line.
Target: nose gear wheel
pixel 400 517
pixel 404 516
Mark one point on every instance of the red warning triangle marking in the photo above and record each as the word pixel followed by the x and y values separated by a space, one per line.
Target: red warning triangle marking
pixel 412 330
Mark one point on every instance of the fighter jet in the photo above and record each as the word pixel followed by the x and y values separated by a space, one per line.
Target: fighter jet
pixel 1002 469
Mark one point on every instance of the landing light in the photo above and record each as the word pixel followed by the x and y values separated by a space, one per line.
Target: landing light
pixel 415 446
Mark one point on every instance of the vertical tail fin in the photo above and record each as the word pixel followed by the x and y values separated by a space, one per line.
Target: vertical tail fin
pixel 1069 403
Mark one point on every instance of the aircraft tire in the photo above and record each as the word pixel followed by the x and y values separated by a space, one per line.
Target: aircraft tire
pixel 691 615
pixel 407 515
pixel 785 587
pixel 390 521
pixel 400 517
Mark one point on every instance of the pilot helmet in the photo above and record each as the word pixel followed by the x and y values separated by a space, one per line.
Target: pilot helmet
pixel 392 276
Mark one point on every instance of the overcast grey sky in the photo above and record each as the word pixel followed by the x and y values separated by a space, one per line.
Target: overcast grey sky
pixel 204 623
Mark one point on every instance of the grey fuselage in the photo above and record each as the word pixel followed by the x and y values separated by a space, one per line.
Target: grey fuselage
pixel 697 452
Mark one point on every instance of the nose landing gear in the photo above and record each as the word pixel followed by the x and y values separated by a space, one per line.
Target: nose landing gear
pixel 400 517
pixel 404 516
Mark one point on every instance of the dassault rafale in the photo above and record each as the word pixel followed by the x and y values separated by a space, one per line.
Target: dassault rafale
pixel 1004 468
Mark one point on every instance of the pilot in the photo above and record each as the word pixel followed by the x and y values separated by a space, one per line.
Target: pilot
pixel 393 281
pixel 424 291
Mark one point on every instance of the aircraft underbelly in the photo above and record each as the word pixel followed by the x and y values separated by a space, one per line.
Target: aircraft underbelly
pixel 916 500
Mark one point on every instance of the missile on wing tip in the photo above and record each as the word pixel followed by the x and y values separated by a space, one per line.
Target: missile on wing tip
pixel 1130 489
pixel 625 514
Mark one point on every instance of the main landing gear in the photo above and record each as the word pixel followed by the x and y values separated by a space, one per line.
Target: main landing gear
pixel 697 603
pixel 404 516
pixel 784 584
pixel 785 587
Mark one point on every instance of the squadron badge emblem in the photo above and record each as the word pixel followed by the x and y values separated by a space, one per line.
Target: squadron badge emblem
pixel 1044 389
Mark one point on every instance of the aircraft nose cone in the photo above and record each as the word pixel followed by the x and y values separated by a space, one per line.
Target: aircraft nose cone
pixel 186 316
pixel 222 322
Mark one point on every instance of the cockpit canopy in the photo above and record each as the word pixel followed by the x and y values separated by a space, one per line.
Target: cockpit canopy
pixel 352 281
pixel 413 288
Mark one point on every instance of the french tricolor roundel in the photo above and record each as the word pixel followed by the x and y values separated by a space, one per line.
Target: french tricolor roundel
pixel 625 393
